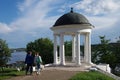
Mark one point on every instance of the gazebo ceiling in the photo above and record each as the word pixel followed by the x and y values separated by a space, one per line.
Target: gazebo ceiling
pixel 71 18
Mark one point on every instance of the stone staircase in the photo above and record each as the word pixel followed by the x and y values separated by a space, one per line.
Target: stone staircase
pixel 68 67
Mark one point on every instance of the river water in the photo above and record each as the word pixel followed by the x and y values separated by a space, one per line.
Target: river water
pixel 17 56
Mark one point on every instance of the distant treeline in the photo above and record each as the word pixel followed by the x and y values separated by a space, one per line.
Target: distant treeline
pixel 93 45
pixel 17 49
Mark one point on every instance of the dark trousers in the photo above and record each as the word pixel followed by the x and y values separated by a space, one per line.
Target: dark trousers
pixel 29 68
pixel 38 66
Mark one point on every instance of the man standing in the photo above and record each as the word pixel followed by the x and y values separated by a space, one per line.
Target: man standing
pixel 29 60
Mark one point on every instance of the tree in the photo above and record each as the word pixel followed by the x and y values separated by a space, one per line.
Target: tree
pixel 44 46
pixel 116 51
pixel 118 41
pixel 103 54
pixel 4 53
pixel 68 48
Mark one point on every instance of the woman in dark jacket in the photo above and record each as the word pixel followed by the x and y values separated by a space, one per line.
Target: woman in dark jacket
pixel 29 60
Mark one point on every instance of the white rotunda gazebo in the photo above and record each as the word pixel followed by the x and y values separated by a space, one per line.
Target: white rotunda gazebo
pixel 75 25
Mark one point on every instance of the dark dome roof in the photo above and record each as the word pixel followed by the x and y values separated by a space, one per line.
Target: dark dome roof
pixel 71 18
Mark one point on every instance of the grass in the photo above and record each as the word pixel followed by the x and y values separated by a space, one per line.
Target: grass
pixel 92 75
pixel 10 72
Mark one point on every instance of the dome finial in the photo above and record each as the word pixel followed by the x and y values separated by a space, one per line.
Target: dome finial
pixel 71 10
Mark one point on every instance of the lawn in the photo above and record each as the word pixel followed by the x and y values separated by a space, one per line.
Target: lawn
pixel 92 75
pixel 10 72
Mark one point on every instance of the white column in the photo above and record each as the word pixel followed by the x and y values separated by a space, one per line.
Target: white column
pixel 73 48
pixel 86 49
pixel 89 48
pixel 59 55
pixel 59 51
pixel 62 52
pixel 55 50
pixel 78 49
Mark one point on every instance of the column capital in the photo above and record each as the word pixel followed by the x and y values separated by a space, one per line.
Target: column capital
pixel 62 33
pixel 73 35
pixel 55 34
pixel 77 32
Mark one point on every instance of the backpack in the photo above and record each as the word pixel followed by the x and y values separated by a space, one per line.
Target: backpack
pixel 38 60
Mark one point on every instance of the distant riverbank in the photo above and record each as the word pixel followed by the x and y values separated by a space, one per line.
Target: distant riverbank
pixel 17 56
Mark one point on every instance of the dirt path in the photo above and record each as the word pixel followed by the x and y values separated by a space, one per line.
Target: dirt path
pixel 48 75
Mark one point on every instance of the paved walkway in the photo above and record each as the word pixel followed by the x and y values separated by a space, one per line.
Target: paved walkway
pixel 48 75
pixel 53 73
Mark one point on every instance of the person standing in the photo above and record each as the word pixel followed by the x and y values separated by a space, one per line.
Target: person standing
pixel 29 60
pixel 38 61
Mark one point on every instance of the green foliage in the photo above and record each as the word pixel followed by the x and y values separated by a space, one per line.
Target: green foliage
pixel 10 72
pixel 116 51
pixel 103 53
pixel 68 48
pixel 107 52
pixel 94 75
pixel 4 53
pixel 44 46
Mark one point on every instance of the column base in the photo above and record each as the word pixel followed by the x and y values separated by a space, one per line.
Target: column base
pixel 90 63
pixel 62 64
pixel 56 62
pixel 73 60
pixel 78 64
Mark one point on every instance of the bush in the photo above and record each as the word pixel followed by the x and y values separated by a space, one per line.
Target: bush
pixel 10 72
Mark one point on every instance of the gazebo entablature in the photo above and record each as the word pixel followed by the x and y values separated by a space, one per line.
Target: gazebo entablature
pixel 72 29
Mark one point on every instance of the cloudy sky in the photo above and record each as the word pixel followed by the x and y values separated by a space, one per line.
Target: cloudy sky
pixel 22 21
